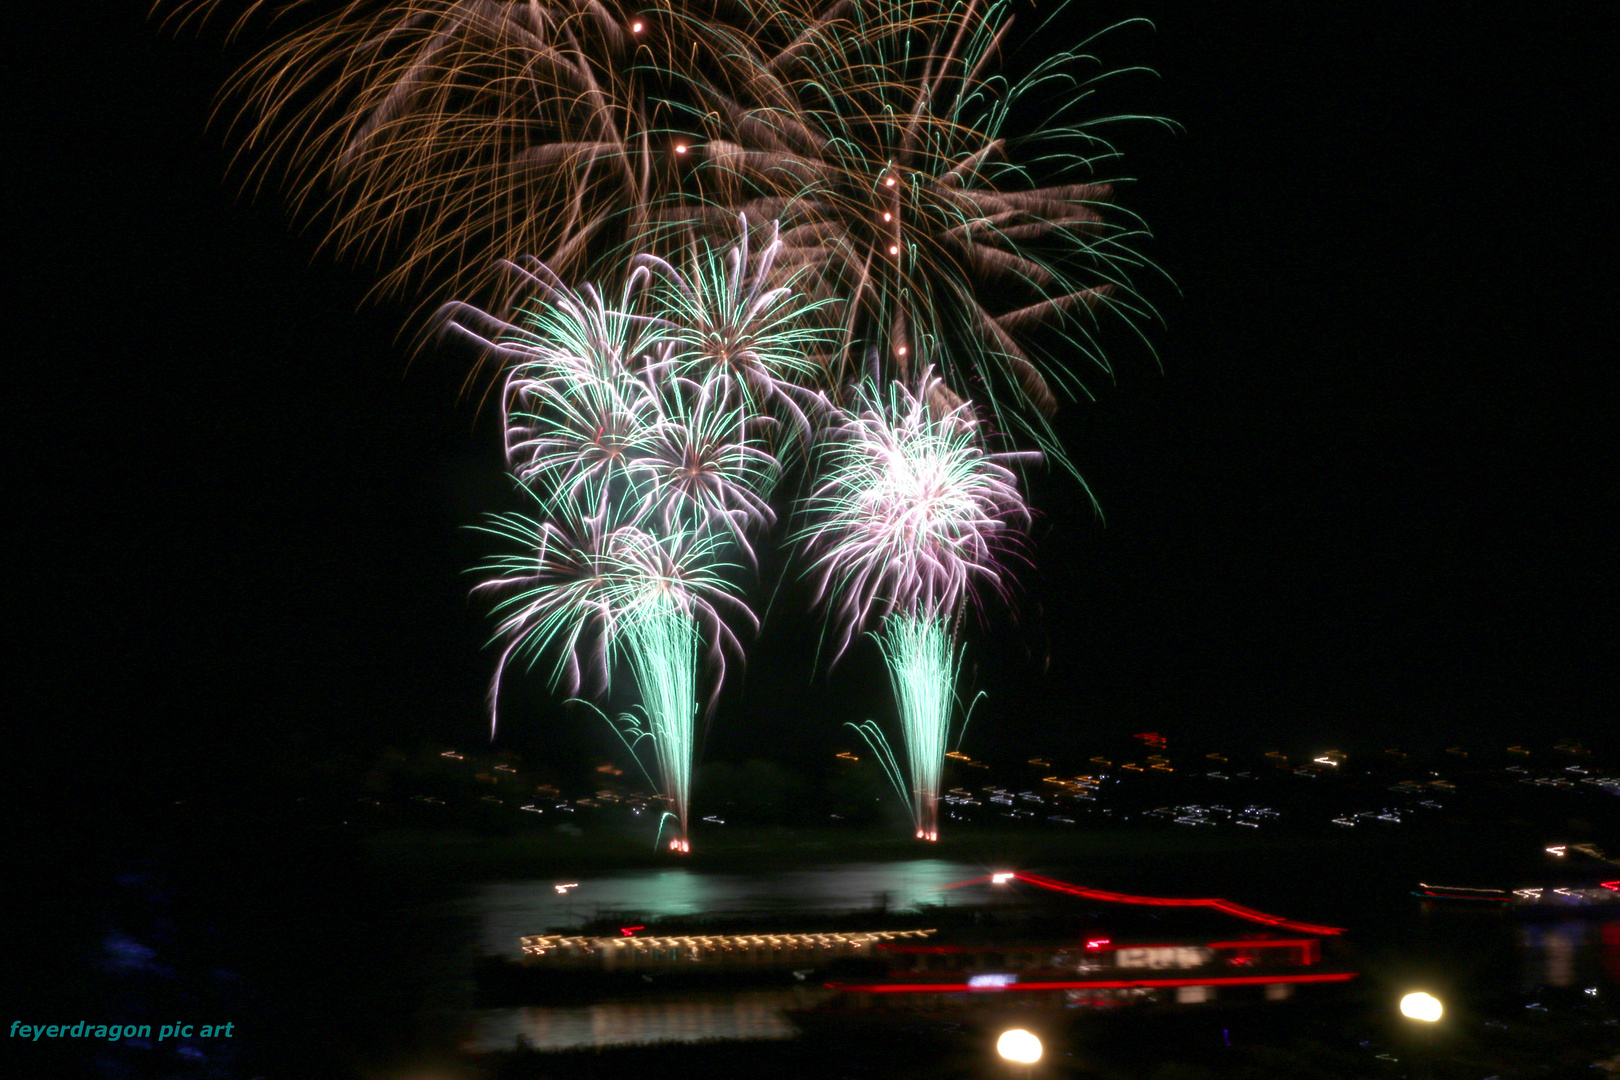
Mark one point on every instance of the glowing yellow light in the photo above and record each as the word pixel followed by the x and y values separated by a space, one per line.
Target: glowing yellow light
pixel 887 216
pixel 1020 1046
pixel 1421 1006
pixel 1000 879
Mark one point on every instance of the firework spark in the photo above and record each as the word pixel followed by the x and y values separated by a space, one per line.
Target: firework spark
pixel 689 410
pixel 736 319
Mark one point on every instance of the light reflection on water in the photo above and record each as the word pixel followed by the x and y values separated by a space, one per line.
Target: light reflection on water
pixel 1572 952
pixel 689 1017
pixel 508 910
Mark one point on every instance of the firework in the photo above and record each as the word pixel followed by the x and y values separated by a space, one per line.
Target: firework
pixel 593 594
pixel 923 667
pixel 879 135
pixel 576 415
pixel 684 410
pixel 442 136
pixel 906 526
pixel 702 463
pixel 643 449
pixel 867 141
pixel 911 514
pixel 553 592
pixel 445 134
pixel 736 320
pixel 667 586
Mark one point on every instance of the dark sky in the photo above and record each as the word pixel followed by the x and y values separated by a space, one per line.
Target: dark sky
pixel 1364 496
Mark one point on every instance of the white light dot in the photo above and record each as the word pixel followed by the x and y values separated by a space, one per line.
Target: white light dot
pixel 635 28
pixel 889 182
pixel 888 216
pixel 1421 1006
pixel 1019 1045
pixel 893 250
pixel 680 148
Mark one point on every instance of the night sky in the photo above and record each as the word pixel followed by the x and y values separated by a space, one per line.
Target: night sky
pixel 1363 496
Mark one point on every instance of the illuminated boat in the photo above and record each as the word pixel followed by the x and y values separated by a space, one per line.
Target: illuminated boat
pixel 1081 947
pixel 1100 971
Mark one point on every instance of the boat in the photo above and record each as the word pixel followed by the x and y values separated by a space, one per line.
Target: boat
pixel 1064 946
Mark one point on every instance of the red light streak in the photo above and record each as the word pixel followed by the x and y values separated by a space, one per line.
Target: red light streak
pixel 1160 901
pixel 630 931
pixel 1166 901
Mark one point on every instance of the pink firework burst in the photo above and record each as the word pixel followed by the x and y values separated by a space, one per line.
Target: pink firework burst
pixel 914 512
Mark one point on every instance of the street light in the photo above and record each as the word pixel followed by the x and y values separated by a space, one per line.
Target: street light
pixel 1421 1006
pixel 1020 1046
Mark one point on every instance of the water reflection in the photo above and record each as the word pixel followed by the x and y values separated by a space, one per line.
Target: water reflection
pixel 508 910
pixel 1573 952
pixel 689 1017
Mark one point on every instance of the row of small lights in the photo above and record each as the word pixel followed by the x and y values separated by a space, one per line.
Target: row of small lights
pixel 539 945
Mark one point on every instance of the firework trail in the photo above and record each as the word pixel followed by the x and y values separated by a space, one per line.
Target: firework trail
pixel 440 137
pixel 905 527
pixel 593 594
pixel 923 666
pixel 879 136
